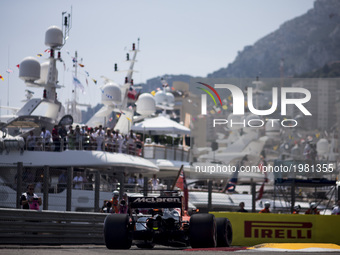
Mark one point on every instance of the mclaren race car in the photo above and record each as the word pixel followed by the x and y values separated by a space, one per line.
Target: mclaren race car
pixel 162 220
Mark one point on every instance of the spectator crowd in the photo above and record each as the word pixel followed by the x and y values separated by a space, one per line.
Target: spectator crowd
pixel 85 138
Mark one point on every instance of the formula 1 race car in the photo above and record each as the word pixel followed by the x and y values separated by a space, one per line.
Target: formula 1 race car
pixel 161 220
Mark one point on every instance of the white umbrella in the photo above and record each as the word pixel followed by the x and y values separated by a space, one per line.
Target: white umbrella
pixel 161 125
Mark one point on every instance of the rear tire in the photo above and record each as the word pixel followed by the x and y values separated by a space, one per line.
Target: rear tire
pixel 202 231
pixel 116 231
pixel 224 232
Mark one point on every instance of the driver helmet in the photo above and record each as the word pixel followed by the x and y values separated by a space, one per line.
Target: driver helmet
pixel 312 205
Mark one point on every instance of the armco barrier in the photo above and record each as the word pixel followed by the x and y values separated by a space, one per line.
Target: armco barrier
pixel 254 228
pixel 50 227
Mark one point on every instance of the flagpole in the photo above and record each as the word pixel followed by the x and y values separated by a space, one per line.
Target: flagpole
pixel 8 83
pixel 179 172
pixel 74 103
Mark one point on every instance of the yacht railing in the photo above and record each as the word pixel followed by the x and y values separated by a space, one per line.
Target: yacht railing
pixel 155 151
pixel 148 151
pixel 62 145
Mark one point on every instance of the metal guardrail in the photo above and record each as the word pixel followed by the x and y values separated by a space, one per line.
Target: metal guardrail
pixel 19 226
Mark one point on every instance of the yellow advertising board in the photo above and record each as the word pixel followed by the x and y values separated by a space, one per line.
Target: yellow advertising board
pixel 256 228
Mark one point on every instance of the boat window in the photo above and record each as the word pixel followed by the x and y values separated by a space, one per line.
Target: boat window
pixel 46 109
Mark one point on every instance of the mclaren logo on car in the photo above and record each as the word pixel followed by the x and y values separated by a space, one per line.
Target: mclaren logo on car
pixel 157 200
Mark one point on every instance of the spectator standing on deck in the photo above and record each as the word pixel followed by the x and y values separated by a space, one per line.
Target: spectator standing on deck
pixel 154 182
pixel 140 181
pixel 79 138
pixel 56 138
pixel 109 141
pixel 100 137
pixel 78 181
pixel 62 181
pixel 45 137
pixel 132 179
pixel 139 145
pixel 29 200
pixel 63 135
pixel 131 143
pixel 119 140
pixel 31 139
pixel 71 139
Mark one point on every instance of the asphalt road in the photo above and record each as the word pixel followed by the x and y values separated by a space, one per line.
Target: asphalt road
pixel 102 250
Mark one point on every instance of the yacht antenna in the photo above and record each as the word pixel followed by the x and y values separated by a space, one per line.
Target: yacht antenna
pixel 66 24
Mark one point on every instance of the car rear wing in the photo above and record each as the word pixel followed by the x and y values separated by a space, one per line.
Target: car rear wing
pixel 155 202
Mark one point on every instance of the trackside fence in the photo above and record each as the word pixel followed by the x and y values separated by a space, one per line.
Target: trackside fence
pixel 19 226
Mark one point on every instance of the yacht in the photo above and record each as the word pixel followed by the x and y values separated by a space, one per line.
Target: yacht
pixel 46 112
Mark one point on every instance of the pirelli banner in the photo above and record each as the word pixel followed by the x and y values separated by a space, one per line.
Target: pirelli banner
pixel 255 228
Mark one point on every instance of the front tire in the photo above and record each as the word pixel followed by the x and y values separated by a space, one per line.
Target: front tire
pixel 116 231
pixel 202 231
pixel 224 232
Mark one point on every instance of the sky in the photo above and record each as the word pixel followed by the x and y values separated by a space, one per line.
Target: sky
pixel 194 37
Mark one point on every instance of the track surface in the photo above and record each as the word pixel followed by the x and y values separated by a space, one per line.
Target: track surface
pixel 101 250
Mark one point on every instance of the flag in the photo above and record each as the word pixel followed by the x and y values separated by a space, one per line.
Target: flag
pixel 260 166
pixel 259 196
pixel 81 65
pixel 18 66
pixel 164 83
pixel 47 50
pixel 39 55
pixel 78 84
pixel 132 93
pixel 231 186
pixel 95 81
pixel 181 183
pixel 2 78
pixel 9 70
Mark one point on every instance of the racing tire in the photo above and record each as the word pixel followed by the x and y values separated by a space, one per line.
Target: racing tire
pixel 202 230
pixel 116 231
pixel 224 232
